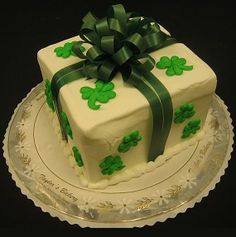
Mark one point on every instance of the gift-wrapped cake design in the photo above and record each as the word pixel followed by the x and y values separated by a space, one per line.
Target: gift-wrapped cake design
pixel 125 92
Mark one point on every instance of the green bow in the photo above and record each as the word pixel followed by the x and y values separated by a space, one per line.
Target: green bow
pixel 118 42
pixel 122 42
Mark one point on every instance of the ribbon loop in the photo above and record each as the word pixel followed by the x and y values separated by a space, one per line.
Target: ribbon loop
pixel 122 55
pixel 116 26
pixel 136 42
pixel 132 25
pixel 89 17
pixel 94 54
pixel 108 44
pixel 102 27
pixel 106 71
pixel 77 49
pixel 148 63
pixel 118 12
pixel 154 41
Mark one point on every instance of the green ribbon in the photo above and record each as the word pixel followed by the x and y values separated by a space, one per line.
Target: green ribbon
pixel 122 42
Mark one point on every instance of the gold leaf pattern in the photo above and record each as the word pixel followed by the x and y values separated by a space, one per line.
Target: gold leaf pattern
pixel 216 161
pixel 143 203
pixel 174 190
pixel 25 159
pixel 106 205
pixel 20 136
pixel 25 114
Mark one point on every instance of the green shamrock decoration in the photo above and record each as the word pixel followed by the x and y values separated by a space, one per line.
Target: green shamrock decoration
pixel 183 112
pixel 130 140
pixel 66 125
pixel 174 65
pixel 111 164
pixel 48 94
pixel 77 156
pixel 66 50
pixel 191 128
pixel 102 93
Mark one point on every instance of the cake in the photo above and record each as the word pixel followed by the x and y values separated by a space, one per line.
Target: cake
pixel 125 94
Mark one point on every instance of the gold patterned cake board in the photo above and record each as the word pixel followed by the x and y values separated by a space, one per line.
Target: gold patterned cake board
pixel 39 168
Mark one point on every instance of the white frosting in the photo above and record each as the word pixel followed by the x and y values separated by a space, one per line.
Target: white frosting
pixel 98 134
pixel 136 170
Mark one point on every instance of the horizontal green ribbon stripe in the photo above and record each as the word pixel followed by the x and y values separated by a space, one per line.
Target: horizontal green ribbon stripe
pixel 64 72
pixel 156 145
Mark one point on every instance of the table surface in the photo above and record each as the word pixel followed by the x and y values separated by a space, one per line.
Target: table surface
pixel 206 28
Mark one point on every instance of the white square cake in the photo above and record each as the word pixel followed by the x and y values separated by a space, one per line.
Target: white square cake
pixel 121 129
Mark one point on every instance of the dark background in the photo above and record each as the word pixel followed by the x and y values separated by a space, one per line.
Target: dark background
pixel 207 27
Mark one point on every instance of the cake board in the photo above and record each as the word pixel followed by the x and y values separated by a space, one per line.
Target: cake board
pixel 40 169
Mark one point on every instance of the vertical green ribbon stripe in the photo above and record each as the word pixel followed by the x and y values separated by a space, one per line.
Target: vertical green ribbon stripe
pixel 166 107
pixel 156 146
pixel 62 77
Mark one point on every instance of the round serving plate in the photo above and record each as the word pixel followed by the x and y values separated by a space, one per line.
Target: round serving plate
pixel 40 169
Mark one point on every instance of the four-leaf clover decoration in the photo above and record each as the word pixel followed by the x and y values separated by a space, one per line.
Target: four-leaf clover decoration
pixel 111 164
pixel 48 94
pixel 191 128
pixel 66 125
pixel 77 156
pixel 174 65
pixel 102 93
pixel 66 50
pixel 183 112
pixel 130 140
